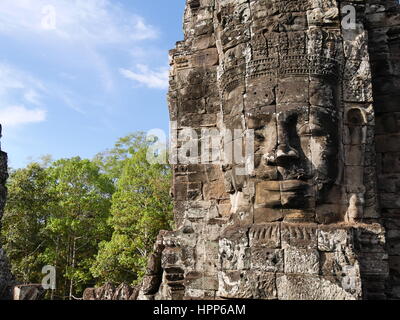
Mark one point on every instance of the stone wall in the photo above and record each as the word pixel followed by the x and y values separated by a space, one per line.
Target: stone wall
pixel 5 275
pixel 110 292
pixel 383 20
pixel 306 220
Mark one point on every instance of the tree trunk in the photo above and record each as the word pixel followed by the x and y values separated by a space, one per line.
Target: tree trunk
pixel 55 266
pixel 71 286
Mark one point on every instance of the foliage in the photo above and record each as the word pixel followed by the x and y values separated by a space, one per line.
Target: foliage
pixel 94 220
pixel 112 161
pixel 79 222
pixel 29 206
pixel 141 207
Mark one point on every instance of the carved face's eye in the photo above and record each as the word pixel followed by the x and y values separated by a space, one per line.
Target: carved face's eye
pixel 312 130
pixel 259 137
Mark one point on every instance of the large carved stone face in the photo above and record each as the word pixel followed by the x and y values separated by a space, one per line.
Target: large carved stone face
pixel 296 140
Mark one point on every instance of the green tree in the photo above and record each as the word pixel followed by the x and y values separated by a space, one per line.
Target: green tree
pixel 141 207
pixel 79 222
pixel 29 206
pixel 93 220
pixel 112 161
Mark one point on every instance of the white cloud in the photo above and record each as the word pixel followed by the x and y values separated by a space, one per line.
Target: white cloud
pixel 14 80
pixel 157 79
pixel 32 96
pixel 18 89
pixel 78 29
pixel 18 115
pixel 90 22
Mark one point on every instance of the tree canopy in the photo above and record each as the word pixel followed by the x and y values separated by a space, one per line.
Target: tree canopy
pixel 94 220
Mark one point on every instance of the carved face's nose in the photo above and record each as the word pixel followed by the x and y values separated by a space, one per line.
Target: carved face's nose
pixel 283 152
pixel 282 155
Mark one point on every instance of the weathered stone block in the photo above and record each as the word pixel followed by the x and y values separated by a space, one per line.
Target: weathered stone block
pixel 265 235
pixel 341 264
pixel 234 284
pixel 264 285
pixel 391 162
pixel 246 285
pixel 299 236
pixel 374 264
pixel 234 251
pixel 197 209
pixel 388 143
pixel 215 191
pixel 150 285
pixel 332 239
pixel 28 292
pixel 388 123
pixel 201 281
pixel 389 200
pixel 369 238
pixel 224 208
pixel 207 257
pixel 267 260
pixel 312 287
pixel 301 261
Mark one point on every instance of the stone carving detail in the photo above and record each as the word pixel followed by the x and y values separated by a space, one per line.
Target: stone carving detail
pixel 29 292
pixel 384 51
pixel 6 278
pixel 110 292
pixel 306 221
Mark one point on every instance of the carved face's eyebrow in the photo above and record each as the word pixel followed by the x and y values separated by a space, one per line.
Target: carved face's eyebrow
pixel 310 127
pixel 263 112
pixel 256 121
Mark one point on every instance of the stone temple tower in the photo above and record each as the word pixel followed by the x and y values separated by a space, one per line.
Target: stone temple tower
pixel 298 103
pixel 5 274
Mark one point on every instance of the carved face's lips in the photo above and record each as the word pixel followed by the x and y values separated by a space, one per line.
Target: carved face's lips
pixel 286 185
pixel 283 194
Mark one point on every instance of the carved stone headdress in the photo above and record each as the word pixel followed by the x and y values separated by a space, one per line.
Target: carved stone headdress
pixel 273 54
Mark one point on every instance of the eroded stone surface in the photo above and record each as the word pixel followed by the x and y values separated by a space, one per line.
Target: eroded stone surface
pixel 30 292
pixel 6 278
pixel 321 100
pixel 384 35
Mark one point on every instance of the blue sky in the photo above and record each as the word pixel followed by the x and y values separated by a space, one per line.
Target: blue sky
pixel 75 75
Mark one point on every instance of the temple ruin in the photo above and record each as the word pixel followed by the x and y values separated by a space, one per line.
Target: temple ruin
pixel 316 214
pixel 299 107
pixel 6 278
